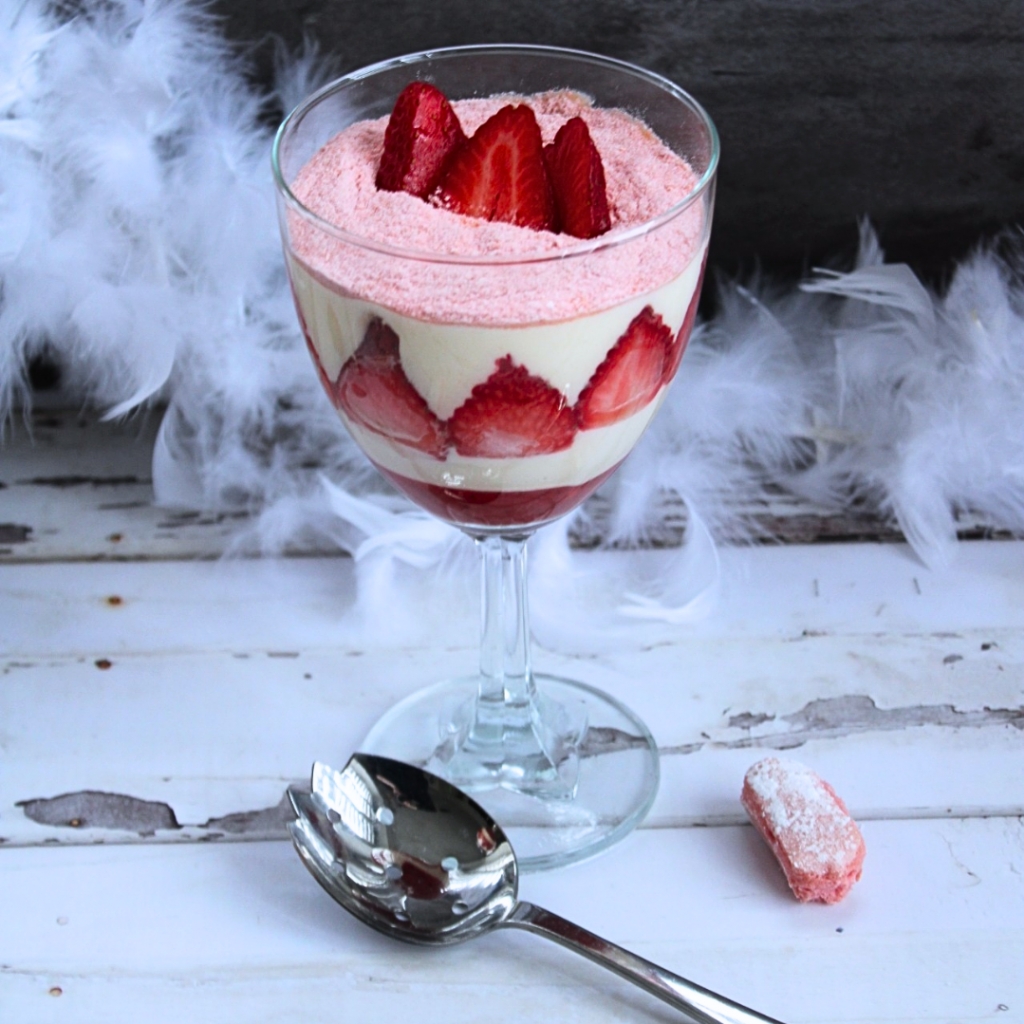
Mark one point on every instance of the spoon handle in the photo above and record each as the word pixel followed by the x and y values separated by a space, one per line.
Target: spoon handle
pixel 700 1004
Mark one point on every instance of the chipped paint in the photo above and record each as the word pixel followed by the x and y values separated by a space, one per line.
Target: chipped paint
pixel 98 816
pixel 266 821
pixel 748 720
pixel 90 808
pixel 15 533
pixel 835 717
pixel 73 480
pixel 605 740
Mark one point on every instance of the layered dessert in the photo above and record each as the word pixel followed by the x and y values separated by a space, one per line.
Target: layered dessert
pixel 497 293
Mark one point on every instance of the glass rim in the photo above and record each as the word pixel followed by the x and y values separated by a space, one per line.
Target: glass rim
pixel 612 239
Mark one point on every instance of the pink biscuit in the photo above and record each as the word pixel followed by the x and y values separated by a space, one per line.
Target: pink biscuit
pixel 807 826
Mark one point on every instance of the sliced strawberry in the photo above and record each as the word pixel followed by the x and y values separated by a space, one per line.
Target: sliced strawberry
pixel 374 392
pixel 379 342
pixel 678 347
pixel 500 175
pixel 630 375
pixel 421 137
pixel 511 415
pixel 577 180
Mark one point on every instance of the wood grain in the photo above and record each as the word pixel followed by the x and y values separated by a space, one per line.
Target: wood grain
pixel 242 933
pixel 155 700
pixel 182 710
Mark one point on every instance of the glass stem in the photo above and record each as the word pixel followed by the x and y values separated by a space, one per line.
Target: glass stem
pixel 509 735
pixel 506 681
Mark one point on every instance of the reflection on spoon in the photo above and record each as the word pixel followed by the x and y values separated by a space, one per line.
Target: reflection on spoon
pixel 414 857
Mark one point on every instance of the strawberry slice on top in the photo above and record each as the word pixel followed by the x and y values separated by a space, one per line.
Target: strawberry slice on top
pixel 511 415
pixel 577 179
pixel 422 135
pixel 373 391
pixel 630 375
pixel 499 174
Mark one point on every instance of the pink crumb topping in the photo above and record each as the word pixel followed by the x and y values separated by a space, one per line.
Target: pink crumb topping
pixel 644 179
pixel 808 828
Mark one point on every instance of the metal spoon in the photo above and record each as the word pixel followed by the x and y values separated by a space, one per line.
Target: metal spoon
pixel 414 857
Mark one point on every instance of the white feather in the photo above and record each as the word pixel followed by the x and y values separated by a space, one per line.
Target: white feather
pixel 138 241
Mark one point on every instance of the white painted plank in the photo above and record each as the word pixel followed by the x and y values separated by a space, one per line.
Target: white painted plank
pixel 75 488
pixel 212 734
pixel 205 688
pixel 222 682
pixel 792 591
pixel 934 932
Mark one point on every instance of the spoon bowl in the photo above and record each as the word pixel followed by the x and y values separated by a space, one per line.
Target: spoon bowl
pixel 404 851
pixel 414 857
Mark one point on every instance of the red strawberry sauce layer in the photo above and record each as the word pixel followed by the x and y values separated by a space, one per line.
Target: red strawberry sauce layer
pixel 494 509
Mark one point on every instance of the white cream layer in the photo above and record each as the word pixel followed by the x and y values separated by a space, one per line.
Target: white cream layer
pixel 565 354
pixel 592 452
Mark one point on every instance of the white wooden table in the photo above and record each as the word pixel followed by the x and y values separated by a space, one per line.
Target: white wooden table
pixel 155 703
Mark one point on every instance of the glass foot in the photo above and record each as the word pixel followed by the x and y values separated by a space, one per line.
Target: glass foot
pixel 566 782
pixel 533 749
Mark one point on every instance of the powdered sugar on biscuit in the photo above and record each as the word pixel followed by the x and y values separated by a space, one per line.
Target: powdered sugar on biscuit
pixel 809 829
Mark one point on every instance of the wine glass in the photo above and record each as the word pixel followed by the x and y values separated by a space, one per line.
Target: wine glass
pixel 435 390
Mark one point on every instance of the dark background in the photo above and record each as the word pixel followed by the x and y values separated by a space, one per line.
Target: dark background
pixel 909 112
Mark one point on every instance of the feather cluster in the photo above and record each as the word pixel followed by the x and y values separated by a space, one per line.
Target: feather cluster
pixel 858 389
pixel 139 248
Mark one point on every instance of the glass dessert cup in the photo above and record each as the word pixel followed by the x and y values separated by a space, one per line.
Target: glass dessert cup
pixel 568 770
